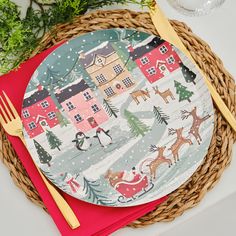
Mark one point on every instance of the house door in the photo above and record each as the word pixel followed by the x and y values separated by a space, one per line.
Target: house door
pixel 164 70
pixel 44 124
pixel 92 122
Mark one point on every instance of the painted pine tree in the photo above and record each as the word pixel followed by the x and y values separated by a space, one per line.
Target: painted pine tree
pixel 62 119
pixel 137 127
pixel 184 94
pixel 189 75
pixel 110 108
pixel 53 140
pixel 94 194
pixel 160 115
pixel 44 156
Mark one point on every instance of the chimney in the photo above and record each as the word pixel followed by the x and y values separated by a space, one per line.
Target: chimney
pixel 39 87
pixel 130 48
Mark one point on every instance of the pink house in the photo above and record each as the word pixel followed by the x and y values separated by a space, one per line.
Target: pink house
pixel 39 112
pixel 81 105
pixel 155 57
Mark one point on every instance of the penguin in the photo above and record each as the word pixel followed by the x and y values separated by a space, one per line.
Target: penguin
pixel 103 137
pixel 82 142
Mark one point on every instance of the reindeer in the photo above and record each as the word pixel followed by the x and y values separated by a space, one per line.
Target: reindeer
pixel 140 93
pixel 165 94
pixel 113 177
pixel 180 141
pixel 197 121
pixel 160 159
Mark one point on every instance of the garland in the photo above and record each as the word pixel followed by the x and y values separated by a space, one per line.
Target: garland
pixel 20 36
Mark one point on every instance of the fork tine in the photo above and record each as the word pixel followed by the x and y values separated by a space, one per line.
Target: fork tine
pixel 6 109
pixel 4 115
pixel 13 109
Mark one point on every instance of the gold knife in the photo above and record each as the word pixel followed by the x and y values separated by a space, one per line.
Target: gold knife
pixel 168 33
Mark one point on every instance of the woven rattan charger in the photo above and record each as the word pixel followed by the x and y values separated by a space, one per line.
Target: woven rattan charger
pixel 219 154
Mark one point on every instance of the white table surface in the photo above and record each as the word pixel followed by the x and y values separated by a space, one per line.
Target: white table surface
pixel 215 215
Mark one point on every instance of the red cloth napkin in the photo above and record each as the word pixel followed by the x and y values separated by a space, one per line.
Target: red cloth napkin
pixel 94 220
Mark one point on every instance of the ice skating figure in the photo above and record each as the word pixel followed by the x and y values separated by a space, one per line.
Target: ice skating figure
pixel 71 182
pixel 130 184
pixel 144 94
pixel 82 142
pixel 103 137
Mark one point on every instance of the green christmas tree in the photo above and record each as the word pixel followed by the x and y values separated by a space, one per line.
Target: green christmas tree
pixel 160 115
pixel 44 156
pixel 61 119
pixel 137 127
pixel 53 140
pixel 184 94
pixel 110 108
pixel 90 188
pixel 189 75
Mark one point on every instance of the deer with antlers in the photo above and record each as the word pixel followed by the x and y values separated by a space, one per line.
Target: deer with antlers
pixel 197 121
pixel 140 93
pixel 180 141
pixel 160 159
pixel 165 94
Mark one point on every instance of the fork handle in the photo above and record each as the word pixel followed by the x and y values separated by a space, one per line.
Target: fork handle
pixel 61 203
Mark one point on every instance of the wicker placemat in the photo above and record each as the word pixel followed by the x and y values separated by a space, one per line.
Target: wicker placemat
pixel 219 154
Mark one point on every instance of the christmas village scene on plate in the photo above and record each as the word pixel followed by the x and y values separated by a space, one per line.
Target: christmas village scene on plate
pixel 117 117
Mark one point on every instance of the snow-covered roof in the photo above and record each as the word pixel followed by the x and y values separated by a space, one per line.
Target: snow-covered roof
pixel 104 49
pixel 145 46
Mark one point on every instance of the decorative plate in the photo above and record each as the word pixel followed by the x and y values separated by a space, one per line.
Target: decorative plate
pixel 117 117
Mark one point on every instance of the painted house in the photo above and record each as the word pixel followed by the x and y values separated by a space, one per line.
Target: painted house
pixel 81 106
pixel 155 57
pixel 39 112
pixel 107 70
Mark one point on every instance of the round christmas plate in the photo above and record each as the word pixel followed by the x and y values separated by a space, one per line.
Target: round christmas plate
pixel 117 117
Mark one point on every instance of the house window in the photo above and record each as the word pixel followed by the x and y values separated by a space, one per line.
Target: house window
pixel 26 114
pixel 170 60
pixel 70 106
pixel 87 96
pixel 118 69
pixel 51 115
pixel 127 82
pixel 99 60
pixel 100 78
pixel 32 125
pixel 109 92
pixel 78 118
pixel 151 70
pixel 95 108
pixel 144 60
pixel 163 49
pixel 44 104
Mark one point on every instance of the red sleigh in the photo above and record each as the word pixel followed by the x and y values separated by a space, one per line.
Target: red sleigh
pixel 131 190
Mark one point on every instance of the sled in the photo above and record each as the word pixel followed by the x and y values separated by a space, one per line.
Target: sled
pixel 131 190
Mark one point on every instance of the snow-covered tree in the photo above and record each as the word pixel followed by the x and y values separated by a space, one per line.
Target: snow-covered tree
pixel 110 108
pixel 189 75
pixel 184 94
pixel 90 188
pixel 53 140
pixel 137 127
pixel 44 156
pixel 62 119
pixel 160 115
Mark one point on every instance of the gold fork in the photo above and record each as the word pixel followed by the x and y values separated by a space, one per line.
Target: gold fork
pixel 168 33
pixel 12 124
